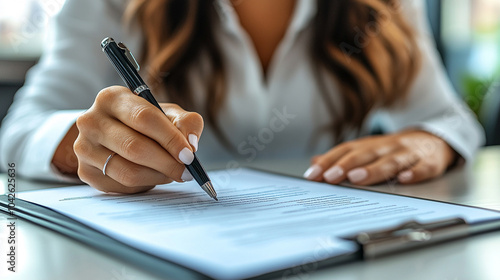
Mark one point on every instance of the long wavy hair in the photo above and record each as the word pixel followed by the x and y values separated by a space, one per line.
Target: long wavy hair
pixel 365 46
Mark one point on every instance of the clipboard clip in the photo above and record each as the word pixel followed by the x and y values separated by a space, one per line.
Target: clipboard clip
pixel 409 235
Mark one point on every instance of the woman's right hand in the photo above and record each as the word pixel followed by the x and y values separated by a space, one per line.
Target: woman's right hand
pixel 151 148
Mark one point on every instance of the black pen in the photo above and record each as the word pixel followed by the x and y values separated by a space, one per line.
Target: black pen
pixel 127 67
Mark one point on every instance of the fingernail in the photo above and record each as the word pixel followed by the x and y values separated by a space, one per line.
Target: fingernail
pixel 312 172
pixel 357 175
pixel 186 176
pixel 405 176
pixel 333 173
pixel 186 156
pixel 193 140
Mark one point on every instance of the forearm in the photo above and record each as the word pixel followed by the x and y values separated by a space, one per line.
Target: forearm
pixel 64 158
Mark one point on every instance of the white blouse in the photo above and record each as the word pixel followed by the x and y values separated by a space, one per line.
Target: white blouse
pixel 278 116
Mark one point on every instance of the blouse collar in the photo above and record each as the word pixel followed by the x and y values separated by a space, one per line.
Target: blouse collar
pixel 304 11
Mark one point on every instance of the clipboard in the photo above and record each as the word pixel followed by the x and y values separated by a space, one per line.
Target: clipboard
pixel 371 244
pixel 88 236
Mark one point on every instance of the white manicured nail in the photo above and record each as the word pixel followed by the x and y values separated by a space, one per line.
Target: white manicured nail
pixel 186 176
pixel 333 173
pixel 193 140
pixel 186 156
pixel 405 176
pixel 357 175
pixel 312 172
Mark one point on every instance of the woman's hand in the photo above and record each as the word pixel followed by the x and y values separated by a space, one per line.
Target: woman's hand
pixel 151 148
pixel 409 156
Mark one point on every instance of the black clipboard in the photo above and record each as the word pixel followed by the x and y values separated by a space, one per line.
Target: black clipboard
pixel 371 244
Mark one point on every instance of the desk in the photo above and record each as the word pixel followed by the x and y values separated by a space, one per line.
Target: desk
pixel 44 254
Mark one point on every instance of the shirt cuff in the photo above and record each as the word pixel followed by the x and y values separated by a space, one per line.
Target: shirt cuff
pixel 40 148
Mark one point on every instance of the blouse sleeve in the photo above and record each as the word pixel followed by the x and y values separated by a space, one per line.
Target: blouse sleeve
pixel 71 71
pixel 433 105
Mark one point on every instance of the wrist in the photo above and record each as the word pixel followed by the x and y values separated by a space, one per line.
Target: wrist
pixel 65 159
pixel 449 155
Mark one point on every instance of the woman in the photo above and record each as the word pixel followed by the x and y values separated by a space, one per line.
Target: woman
pixel 280 79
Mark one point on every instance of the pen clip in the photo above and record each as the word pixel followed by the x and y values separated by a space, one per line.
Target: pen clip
pixel 129 56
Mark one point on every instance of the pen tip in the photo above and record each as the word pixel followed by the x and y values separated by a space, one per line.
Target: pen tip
pixel 209 189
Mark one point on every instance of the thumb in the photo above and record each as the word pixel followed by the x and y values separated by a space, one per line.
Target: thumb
pixel 190 124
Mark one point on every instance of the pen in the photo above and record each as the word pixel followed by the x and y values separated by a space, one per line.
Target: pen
pixel 127 67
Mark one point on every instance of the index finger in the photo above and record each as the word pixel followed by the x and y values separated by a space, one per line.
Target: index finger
pixel 144 117
pixel 322 162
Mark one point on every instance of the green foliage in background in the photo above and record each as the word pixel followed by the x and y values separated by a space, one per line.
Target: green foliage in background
pixel 475 90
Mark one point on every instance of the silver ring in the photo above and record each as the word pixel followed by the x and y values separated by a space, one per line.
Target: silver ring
pixel 106 163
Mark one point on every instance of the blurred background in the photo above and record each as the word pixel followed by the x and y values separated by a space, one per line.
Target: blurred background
pixel 467 34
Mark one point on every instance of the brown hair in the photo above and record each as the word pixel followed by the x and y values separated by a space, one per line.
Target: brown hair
pixel 365 45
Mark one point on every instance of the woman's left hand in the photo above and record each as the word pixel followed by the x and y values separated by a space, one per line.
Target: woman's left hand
pixel 410 156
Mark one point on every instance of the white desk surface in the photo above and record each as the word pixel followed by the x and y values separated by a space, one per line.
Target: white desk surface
pixel 44 254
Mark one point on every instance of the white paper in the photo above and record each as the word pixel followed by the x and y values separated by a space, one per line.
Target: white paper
pixel 262 222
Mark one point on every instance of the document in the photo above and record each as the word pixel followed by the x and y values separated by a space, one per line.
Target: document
pixel 261 223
